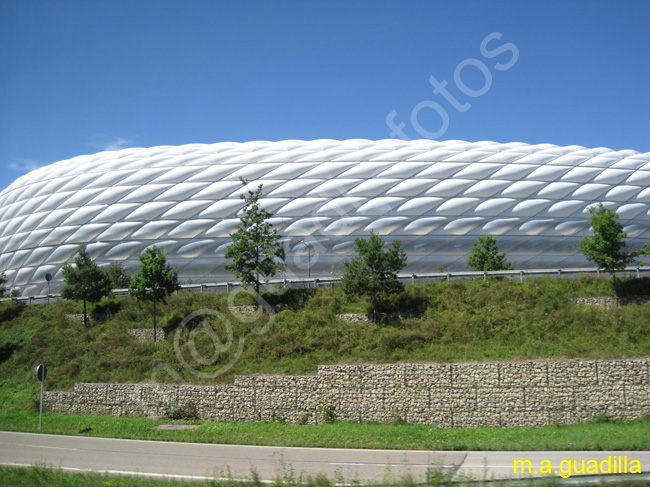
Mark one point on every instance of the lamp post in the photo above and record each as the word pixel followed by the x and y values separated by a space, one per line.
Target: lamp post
pixel 308 259
pixel 48 278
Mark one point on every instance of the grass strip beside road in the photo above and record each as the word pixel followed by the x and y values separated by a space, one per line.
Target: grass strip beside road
pixel 39 476
pixel 596 436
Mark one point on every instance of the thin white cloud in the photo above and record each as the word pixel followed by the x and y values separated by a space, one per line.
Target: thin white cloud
pixel 26 165
pixel 117 143
pixel 107 142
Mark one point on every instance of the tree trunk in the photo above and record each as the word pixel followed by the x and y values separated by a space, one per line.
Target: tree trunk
pixel 154 321
pixel 85 315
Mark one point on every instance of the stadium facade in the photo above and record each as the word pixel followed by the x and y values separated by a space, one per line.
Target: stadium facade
pixel 437 198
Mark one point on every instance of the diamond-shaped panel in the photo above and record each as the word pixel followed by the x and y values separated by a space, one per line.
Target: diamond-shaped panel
pixel 437 197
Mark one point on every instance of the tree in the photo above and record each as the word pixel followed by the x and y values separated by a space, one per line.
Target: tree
pixel 373 272
pixel 485 256
pixel 255 245
pixel 85 281
pixel 155 281
pixel 3 281
pixel 118 276
pixel 607 246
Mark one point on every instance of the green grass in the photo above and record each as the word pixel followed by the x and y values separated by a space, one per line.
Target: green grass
pixel 494 320
pixel 457 322
pixel 40 476
pixel 632 435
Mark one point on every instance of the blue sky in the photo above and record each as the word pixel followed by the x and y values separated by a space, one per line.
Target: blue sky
pixel 79 77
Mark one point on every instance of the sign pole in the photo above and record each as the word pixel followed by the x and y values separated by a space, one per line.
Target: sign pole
pixel 41 372
pixel 40 409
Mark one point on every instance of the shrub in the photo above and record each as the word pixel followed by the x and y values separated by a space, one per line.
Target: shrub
pixel 328 414
pixel 632 287
pixel 187 411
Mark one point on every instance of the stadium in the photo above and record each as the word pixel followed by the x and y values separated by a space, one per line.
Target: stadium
pixel 437 198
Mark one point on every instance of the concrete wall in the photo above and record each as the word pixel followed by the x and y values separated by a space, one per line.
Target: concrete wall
pixel 446 395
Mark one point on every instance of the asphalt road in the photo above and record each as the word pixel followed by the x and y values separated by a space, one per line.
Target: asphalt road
pixel 203 461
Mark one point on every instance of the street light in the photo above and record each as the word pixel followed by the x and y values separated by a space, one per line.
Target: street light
pixel 48 278
pixel 309 258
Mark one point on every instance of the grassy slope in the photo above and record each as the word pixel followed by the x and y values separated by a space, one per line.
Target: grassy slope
pixel 474 321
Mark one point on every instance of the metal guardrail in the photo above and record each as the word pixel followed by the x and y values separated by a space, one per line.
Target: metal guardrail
pixel 334 281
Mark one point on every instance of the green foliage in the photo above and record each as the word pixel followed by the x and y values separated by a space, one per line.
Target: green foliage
pixel 117 276
pixel 86 281
pixel 328 415
pixel 411 300
pixel 621 435
pixel 632 287
pixel 10 310
pixel 255 245
pixel 436 476
pixel 155 281
pixel 460 322
pixel 3 281
pixel 604 418
pixel 485 256
pixel 186 412
pixel 373 272
pixel 293 298
pixel 277 418
pixel 396 418
pixel 607 247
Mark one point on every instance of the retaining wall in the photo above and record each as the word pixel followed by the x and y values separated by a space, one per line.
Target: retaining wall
pixel 147 334
pixel 446 395
pixel 612 302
